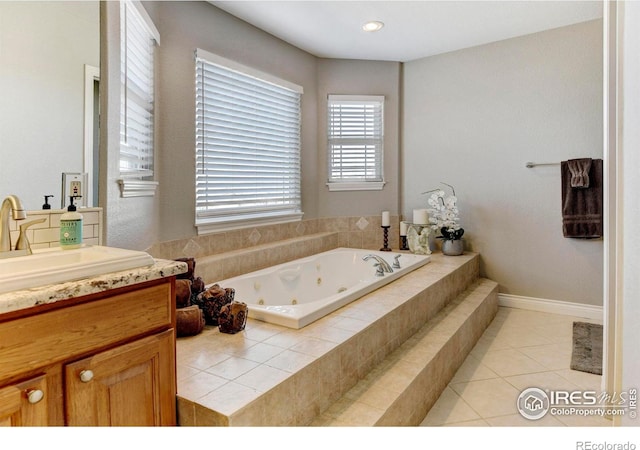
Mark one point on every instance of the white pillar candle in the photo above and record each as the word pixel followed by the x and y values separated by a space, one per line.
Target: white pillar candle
pixel 420 217
pixel 385 219
pixel 403 228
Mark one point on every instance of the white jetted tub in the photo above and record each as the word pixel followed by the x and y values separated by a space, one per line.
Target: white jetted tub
pixel 296 293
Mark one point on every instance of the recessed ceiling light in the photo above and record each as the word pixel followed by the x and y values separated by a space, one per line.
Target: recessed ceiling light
pixel 372 26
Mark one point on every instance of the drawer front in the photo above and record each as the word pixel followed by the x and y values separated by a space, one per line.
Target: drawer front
pixel 53 336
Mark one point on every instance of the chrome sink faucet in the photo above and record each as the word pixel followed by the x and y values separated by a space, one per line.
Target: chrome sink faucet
pixel 383 263
pixel 11 203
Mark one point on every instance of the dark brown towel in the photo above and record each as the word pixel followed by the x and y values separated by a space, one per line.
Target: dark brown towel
pixel 183 293
pixel 582 207
pixel 579 169
pixel 189 321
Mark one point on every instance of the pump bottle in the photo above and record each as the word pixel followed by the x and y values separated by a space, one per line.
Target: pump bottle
pixel 71 227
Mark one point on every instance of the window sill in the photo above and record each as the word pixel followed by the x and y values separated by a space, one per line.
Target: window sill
pixel 137 188
pixel 216 225
pixel 357 186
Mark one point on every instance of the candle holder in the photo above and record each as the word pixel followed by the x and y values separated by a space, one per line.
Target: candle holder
pixel 403 243
pixel 386 239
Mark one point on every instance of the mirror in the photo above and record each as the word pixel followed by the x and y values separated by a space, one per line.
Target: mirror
pixel 49 59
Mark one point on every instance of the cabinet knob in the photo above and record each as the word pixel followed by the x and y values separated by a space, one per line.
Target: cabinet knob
pixel 34 395
pixel 86 376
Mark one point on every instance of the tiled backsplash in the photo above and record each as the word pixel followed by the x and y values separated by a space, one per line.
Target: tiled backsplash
pixel 355 232
pixel 47 233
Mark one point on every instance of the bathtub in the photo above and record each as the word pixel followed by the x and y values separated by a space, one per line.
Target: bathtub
pixel 296 293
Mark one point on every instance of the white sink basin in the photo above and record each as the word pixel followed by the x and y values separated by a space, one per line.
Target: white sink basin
pixel 58 266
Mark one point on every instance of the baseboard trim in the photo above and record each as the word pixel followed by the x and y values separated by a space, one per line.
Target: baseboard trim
pixel 551 306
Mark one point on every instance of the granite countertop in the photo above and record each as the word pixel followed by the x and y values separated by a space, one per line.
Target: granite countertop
pixel 27 298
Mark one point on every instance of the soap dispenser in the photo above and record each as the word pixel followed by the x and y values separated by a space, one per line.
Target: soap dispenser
pixel 46 204
pixel 71 226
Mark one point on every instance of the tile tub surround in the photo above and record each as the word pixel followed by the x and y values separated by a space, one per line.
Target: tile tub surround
pixel 47 233
pixel 239 262
pixel 271 375
pixel 353 232
pixel 402 389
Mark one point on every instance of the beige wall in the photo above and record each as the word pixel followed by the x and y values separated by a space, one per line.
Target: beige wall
pixel 472 118
pixel 129 222
pixel 360 78
pixel 185 26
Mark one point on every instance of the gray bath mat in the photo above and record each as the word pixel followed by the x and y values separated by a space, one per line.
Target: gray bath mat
pixel 587 347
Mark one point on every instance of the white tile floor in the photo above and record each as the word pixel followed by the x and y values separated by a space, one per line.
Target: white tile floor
pixel 520 349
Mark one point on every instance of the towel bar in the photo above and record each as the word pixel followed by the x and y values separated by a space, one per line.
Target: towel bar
pixel 530 164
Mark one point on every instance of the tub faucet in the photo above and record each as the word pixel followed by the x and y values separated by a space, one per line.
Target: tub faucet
pixel 11 203
pixel 383 263
pixel 379 271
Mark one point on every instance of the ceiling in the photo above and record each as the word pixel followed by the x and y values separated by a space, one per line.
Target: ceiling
pixel 413 29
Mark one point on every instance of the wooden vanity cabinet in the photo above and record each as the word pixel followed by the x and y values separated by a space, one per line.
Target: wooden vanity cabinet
pixel 121 386
pixel 103 360
pixel 24 404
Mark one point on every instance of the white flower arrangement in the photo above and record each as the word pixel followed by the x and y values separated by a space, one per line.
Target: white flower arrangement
pixel 444 214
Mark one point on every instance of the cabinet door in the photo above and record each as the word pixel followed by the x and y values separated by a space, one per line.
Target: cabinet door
pixel 24 404
pixel 130 385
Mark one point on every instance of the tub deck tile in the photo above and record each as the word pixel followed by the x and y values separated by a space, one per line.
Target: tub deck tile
pixel 333 353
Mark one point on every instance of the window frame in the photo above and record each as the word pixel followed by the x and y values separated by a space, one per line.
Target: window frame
pixel 355 184
pixel 137 183
pixel 208 221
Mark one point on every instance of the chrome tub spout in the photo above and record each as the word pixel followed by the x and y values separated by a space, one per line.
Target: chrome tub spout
pixel 383 263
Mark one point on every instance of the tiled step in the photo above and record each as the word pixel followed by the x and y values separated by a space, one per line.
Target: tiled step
pixel 406 384
pixel 308 370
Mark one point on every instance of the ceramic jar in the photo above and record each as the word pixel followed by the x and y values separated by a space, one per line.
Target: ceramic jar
pixel 452 247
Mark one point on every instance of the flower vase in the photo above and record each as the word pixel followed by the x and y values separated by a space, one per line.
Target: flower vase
pixel 452 247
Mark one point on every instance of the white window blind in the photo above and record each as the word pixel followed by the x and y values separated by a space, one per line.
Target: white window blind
pixel 138 38
pixel 355 140
pixel 247 143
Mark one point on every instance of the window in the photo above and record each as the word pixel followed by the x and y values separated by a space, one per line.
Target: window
pixel 247 146
pixel 355 142
pixel 138 40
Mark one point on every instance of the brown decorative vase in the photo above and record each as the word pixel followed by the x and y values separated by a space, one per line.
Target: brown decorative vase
pixel 212 300
pixel 233 317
